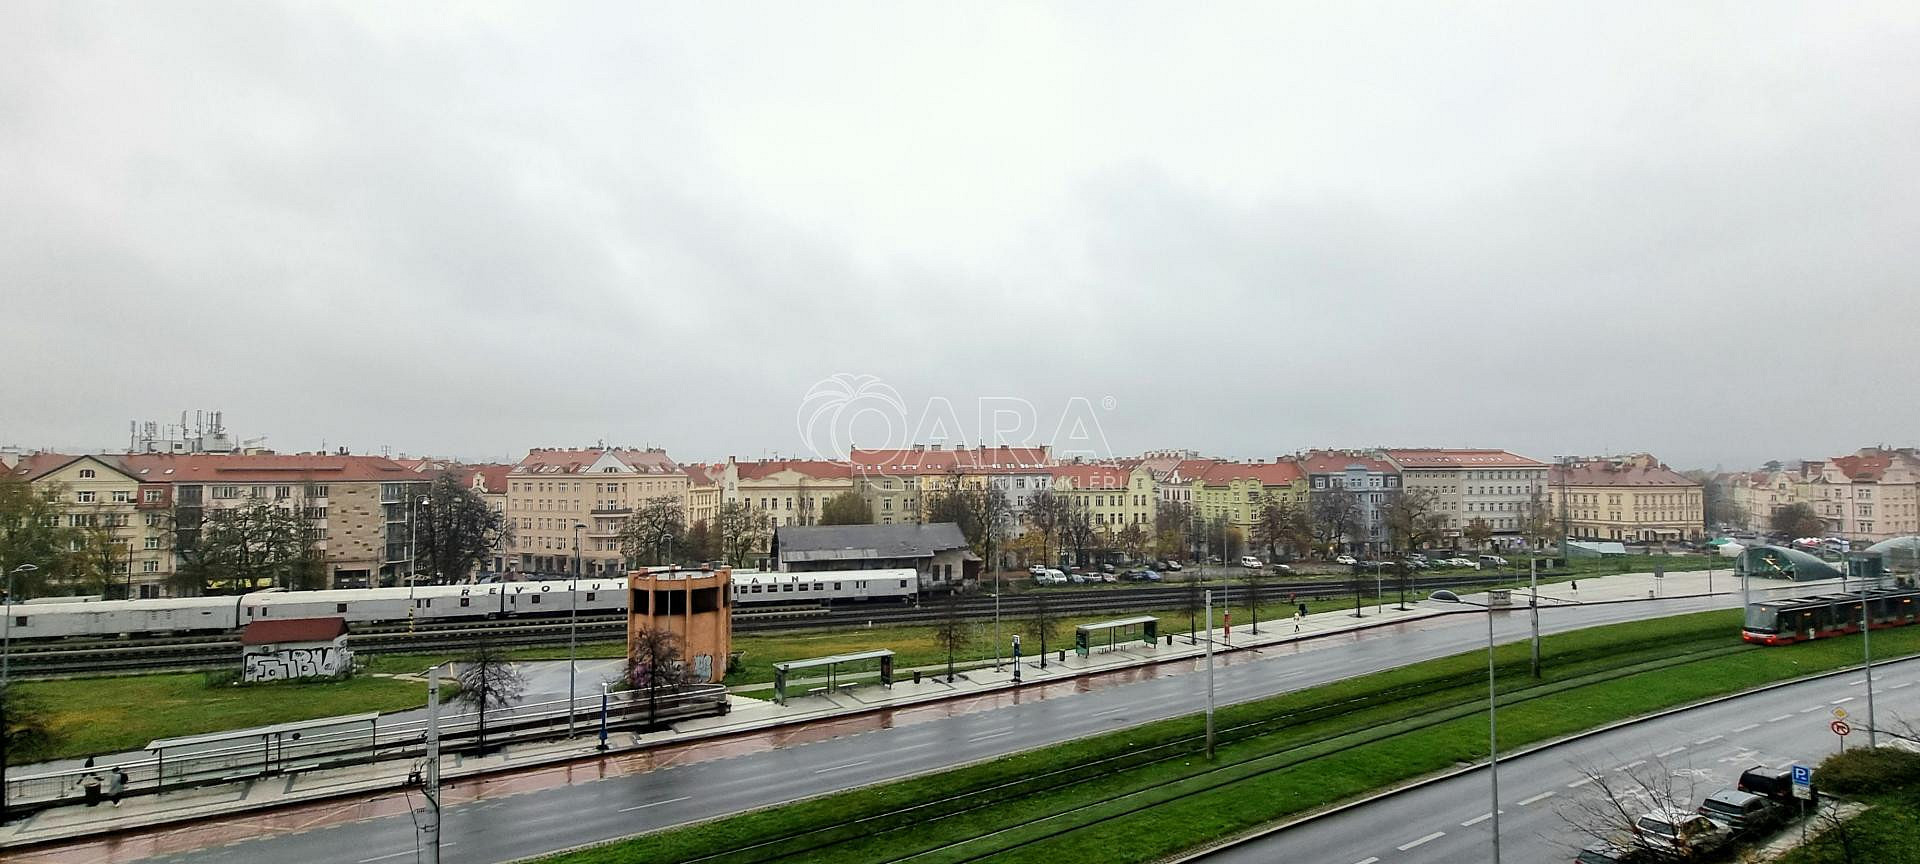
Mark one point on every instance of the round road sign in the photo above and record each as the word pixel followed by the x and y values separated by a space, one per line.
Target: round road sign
pixel 1840 728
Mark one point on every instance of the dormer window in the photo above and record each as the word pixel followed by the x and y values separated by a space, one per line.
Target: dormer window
pixel 86 473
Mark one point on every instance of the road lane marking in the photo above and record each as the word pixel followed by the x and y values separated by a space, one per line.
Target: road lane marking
pixel 1109 711
pixel 1537 798
pixel 1779 718
pixel 1856 683
pixel 1812 709
pixel 1746 727
pixel 1631 765
pixel 1476 820
pixel 1580 782
pixel 1374 860
pixel 1708 740
pixel 400 854
pixel 841 767
pixel 1429 838
pixel 1841 701
pixel 979 738
pixel 654 804
pixel 1665 753
pixel 1898 686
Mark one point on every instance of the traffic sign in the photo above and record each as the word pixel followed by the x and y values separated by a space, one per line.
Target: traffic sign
pixel 1840 728
pixel 1802 782
pixel 1839 713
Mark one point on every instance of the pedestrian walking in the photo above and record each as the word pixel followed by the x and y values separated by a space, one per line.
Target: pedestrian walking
pixel 90 787
pixel 1297 618
pixel 116 784
pixel 1303 610
pixel 1576 585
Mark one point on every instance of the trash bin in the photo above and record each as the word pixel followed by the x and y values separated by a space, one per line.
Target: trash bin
pixel 916 676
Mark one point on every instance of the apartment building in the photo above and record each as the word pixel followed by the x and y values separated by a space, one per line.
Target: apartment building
pixel 557 495
pixel 895 482
pixel 1758 495
pixel 1632 499
pixel 1116 496
pixel 703 493
pixel 1369 477
pixel 788 491
pixel 1178 484
pixel 1237 491
pixel 1499 487
pixel 98 494
pixel 1869 496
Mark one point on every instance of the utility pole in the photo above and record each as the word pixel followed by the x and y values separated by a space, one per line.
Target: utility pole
pixel 1533 579
pixel 1209 674
pixel 573 622
pixel 431 828
pixel 1866 645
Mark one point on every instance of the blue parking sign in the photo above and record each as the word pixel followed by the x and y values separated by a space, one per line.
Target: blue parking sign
pixel 1802 775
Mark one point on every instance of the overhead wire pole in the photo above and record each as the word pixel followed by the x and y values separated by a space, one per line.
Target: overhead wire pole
pixel 1866 646
pixel 573 622
pixel 1209 595
pixel 432 780
pixel 1533 579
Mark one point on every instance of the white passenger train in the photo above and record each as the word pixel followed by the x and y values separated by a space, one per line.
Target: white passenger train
pixel 53 618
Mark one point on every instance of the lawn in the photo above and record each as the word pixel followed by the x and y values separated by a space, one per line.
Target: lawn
pixel 89 716
pixel 1325 744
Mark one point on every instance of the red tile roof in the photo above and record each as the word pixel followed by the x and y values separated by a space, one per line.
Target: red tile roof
pixel 37 465
pixel 700 474
pixel 1609 473
pixel 928 459
pixel 278 630
pixel 1283 472
pixel 1189 469
pixel 1335 462
pixel 493 478
pixel 262 468
pixel 1421 457
pixel 561 461
pixel 815 468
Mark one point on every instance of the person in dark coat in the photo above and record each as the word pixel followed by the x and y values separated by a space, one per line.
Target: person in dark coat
pixel 116 784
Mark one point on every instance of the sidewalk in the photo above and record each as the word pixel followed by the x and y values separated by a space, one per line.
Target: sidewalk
pixel 755 715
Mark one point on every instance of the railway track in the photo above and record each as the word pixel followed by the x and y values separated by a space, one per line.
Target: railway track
pixel 189 653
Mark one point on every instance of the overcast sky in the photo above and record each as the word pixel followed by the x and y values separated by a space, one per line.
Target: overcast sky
pixel 468 230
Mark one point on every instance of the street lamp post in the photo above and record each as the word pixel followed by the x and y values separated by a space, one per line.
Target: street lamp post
pixel 1493 719
pixel 6 654
pixel 413 554
pixel 1866 645
pixel 573 621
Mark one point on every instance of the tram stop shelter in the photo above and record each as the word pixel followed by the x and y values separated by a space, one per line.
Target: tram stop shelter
pixel 832 665
pixel 1111 634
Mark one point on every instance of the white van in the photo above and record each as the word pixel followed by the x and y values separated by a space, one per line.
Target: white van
pixel 1250 562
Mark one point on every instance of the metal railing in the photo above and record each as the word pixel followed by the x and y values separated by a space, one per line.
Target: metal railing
pixel 336 742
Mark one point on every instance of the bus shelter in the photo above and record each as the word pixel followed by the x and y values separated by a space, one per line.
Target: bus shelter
pixel 1111 634
pixel 832 665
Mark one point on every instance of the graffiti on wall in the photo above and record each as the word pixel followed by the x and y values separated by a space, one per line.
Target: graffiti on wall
pixel 288 663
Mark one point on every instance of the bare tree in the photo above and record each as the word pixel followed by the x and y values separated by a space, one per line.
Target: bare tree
pixel 742 527
pixel 651 532
pixel 952 631
pixel 1478 532
pixel 1798 520
pixel 1255 579
pixel 1276 525
pixel 1041 618
pixel 1611 802
pixel 1412 520
pixel 1334 515
pixel 488 679
pixel 1536 519
pixel 248 547
pixel 457 530
pixel 1079 532
pixel 1193 599
pixel 656 664
pixel 1047 514
pixel 34 530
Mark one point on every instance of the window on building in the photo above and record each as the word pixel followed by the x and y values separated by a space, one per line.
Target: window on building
pixel 84 496
pixel 149 566
pixel 122 496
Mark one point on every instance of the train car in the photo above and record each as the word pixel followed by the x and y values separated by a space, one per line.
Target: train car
pixel 1801 619
pixel 766 589
pixel 554 597
pixel 180 615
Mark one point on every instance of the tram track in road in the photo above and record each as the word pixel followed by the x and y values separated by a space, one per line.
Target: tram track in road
pixel 968 811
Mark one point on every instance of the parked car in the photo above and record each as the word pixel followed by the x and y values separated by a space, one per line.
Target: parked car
pixel 1688 834
pixel 1077 578
pixel 1281 569
pixel 1137 575
pixel 1745 813
pixel 1345 559
pixel 1774 783
pixel 1152 576
pixel 1493 560
pixel 1110 577
pixel 1107 568
pixel 1174 566
pixel 1462 562
pixel 1249 562
pixel 1037 570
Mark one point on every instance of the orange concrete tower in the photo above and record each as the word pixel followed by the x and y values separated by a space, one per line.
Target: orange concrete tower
pixel 695 605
